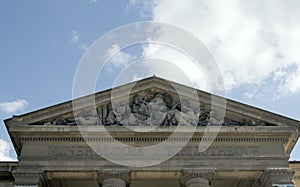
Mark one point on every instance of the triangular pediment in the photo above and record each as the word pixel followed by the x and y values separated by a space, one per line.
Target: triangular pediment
pixel 151 101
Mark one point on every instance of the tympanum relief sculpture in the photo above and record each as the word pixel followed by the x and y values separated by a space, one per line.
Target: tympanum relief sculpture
pixel 151 109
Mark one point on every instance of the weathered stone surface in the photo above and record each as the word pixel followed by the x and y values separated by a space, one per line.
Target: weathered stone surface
pixel 295 165
pixel 54 144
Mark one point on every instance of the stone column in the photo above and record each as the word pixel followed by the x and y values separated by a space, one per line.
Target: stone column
pixel 29 179
pixel 114 178
pixel 197 178
pixel 275 177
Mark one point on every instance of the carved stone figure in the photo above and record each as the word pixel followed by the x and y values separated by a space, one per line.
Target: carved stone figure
pixel 140 108
pixel 200 111
pixel 189 115
pixel 213 118
pixel 158 110
pixel 247 122
pixel 173 115
pixel 110 119
pixel 59 121
pixel 100 115
pixel 183 114
pixel 124 116
pixel 62 121
pixel 89 118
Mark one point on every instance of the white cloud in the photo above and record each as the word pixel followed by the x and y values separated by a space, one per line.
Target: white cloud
pixel 75 36
pixel 132 2
pixel 173 65
pixel 249 95
pixel 4 151
pixel 136 77
pixel 118 57
pixel 93 1
pixel 144 7
pixel 293 81
pixel 254 42
pixel 13 106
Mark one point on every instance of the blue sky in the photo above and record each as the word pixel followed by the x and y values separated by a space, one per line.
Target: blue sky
pixel 42 42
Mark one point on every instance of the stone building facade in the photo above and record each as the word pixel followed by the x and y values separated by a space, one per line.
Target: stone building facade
pixel 115 143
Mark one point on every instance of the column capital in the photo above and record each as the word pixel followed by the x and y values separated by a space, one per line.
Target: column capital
pixel 24 178
pixel 110 174
pixel 277 176
pixel 190 174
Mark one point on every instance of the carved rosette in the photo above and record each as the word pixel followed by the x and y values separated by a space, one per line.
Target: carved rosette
pixel 277 176
pixel 197 178
pixel 114 178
